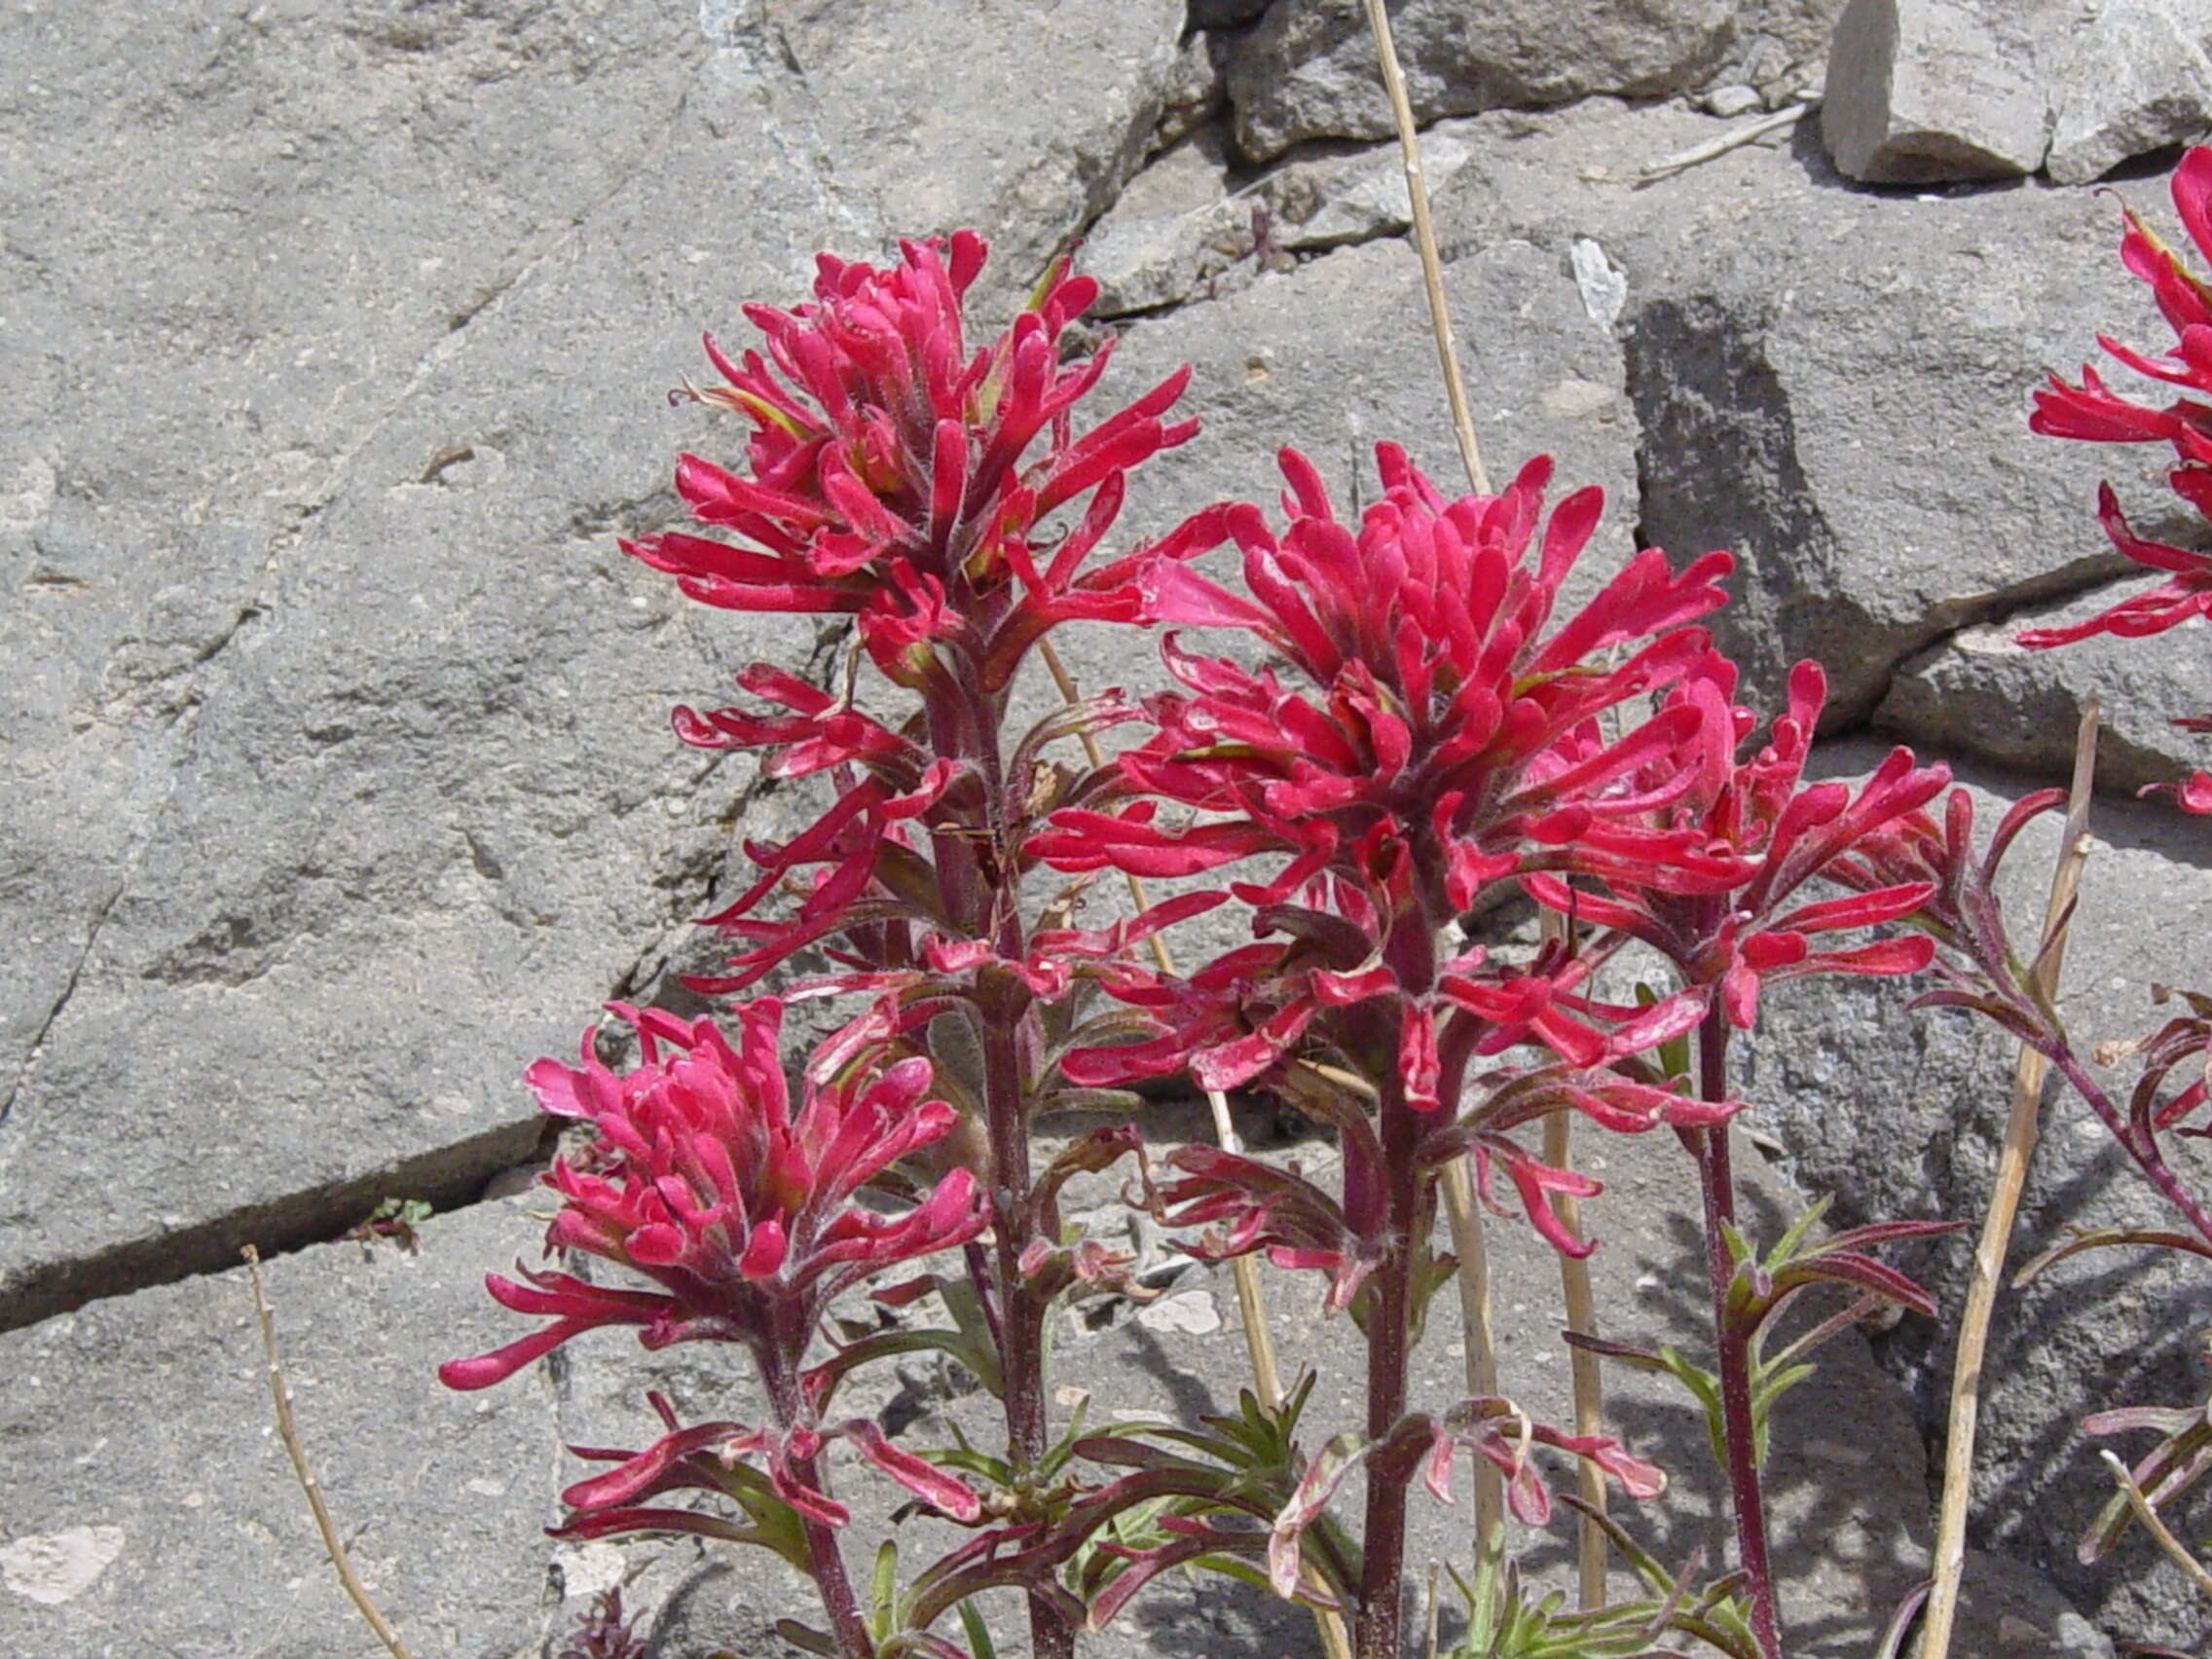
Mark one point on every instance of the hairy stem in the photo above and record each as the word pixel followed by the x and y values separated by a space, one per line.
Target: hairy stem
pixel 1389 1326
pixel 824 1559
pixel 1022 1312
pixel 1747 1498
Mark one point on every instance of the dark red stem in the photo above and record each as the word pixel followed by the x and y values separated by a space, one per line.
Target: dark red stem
pixel 2140 1147
pixel 1411 950
pixel 1747 1498
pixel 825 1559
pixel 983 892
pixel 1389 1324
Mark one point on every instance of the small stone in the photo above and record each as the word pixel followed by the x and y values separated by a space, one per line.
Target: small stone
pixel 1575 399
pixel 1602 284
pixel 2136 81
pixel 1193 1313
pixel 589 1569
pixel 1732 101
pixel 1923 92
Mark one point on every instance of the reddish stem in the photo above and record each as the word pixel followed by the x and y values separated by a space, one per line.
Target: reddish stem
pixel 1747 1498
pixel 983 891
pixel 2141 1148
pixel 825 1560
pixel 1389 1324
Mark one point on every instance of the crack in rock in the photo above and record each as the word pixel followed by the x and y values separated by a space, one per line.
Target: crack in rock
pixel 37 1044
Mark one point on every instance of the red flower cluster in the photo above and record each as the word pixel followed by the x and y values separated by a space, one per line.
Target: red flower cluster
pixel 1421 753
pixel 1784 833
pixel 897 476
pixel 889 467
pixel 2092 411
pixel 1431 697
pixel 705 1181
pixel 1437 733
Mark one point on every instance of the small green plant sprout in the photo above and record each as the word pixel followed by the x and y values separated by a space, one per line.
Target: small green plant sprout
pixel 393 1222
pixel 1758 1293
pixel 1503 1621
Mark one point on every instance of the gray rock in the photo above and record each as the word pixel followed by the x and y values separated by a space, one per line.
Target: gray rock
pixel 1335 356
pixel 341 783
pixel 1185 229
pixel 1925 91
pixel 1558 176
pixel 345 910
pixel 1857 408
pixel 2136 80
pixel 1899 1114
pixel 1980 693
pixel 1307 70
pixel 922 144
pixel 209 303
pixel 1196 91
pixel 1176 234
pixel 145 1478
pixel 1732 101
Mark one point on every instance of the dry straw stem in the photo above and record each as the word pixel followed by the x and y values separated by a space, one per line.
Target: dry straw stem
pixel 1251 1302
pixel 1589 1383
pixel 1480 1333
pixel 287 1430
pixel 1751 132
pixel 1424 239
pixel 2156 1526
pixel 1996 1227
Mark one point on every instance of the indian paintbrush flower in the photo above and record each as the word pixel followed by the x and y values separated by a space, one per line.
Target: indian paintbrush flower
pixel 1786 833
pixel 703 1179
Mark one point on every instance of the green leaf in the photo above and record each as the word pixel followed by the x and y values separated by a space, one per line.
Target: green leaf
pixel 979 1641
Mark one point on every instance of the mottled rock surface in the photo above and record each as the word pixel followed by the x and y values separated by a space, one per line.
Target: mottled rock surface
pixel 2135 79
pixel 150 1509
pixel 1307 69
pixel 1859 417
pixel 1982 693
